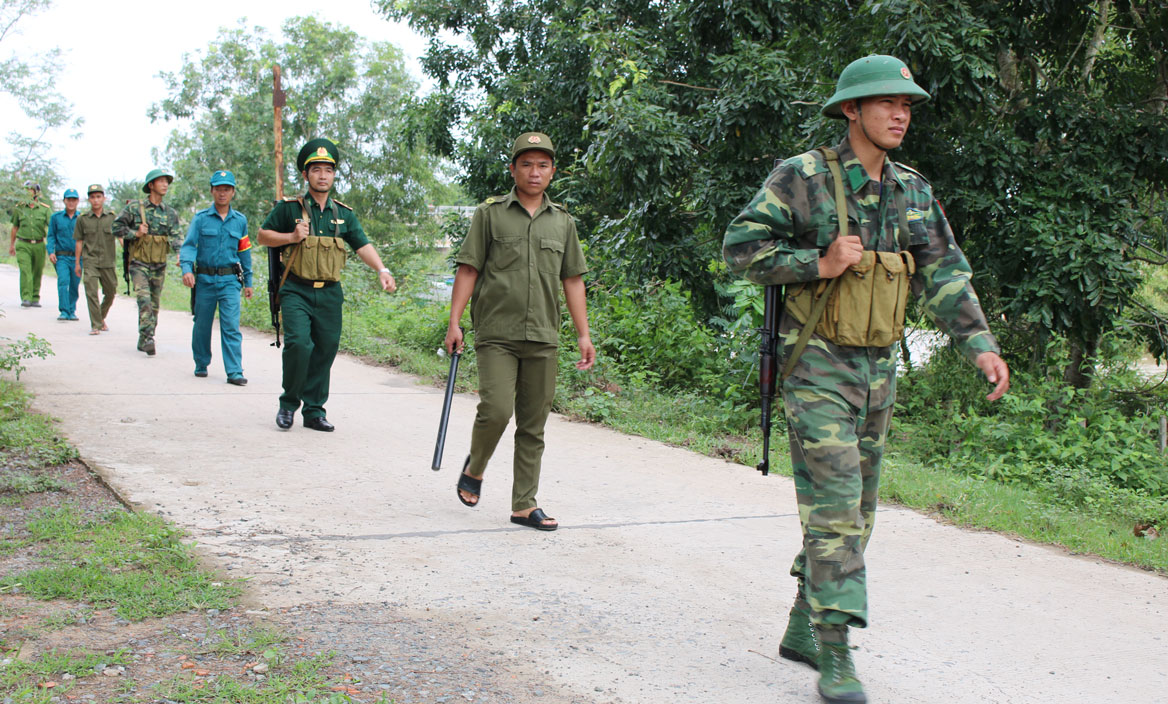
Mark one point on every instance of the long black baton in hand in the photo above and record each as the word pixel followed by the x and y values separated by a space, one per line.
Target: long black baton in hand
pixel 445 421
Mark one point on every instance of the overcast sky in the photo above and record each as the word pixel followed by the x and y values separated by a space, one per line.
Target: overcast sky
pixel 114 50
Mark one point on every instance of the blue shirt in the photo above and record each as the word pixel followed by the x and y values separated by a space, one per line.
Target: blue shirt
pixel 217 242
pixel 60 237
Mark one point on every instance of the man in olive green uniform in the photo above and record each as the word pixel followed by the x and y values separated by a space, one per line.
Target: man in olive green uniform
pixel 30 227
pixel 151 231
pixel 312 231
pixel 521 249
pixel 95 254
pixel 838 392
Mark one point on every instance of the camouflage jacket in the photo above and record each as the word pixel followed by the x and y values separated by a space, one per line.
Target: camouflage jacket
pixel 161 219
pixel 781 234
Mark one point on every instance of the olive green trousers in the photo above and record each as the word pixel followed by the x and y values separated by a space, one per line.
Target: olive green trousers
pixel 514 377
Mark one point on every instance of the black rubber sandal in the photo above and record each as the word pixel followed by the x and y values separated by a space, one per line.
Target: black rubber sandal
pixel 535 520
pixel 469 484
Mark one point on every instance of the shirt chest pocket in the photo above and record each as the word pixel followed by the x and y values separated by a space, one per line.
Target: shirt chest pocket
pixel 506 253
pixel 918 234
pixel 827 233
pixel 551 256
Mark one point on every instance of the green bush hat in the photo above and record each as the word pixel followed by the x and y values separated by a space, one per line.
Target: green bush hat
pixel 871 76
pixel 155 173
pixel 70 193
pixel 319 149
pixel 223 178
pixel 94 188
pixel 532 140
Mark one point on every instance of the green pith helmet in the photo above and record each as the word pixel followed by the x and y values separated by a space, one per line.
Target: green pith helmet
pixel 870 76
pixel 155 173
pixel 532 140
pixel 319 149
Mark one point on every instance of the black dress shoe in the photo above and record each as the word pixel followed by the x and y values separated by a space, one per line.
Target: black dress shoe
pixel 319 423
pixel 238 381
pixel 284 419
pixel 201 374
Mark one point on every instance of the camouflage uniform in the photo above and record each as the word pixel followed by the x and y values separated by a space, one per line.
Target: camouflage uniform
pixel 147 279
pixel 838 400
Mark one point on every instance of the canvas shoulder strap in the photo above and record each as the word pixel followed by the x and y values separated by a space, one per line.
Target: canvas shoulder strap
pixel 841 209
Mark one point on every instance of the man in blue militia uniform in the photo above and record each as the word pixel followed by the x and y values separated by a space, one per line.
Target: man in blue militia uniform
pixel 312 231
pixel 60 246
pixel 216 262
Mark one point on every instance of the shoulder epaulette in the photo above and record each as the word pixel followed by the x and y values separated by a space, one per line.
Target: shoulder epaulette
pixel 346 207
pixel 44 205
pixel 291 199
pixel 911 170
pixel 494 199
pixel 808 164
pixel 558 206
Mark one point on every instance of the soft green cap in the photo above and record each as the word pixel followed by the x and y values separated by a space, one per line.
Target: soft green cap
pixel 532 140
pixel 223 178
pixel 319 149
pixel 94 188
pixel 156 173
pixel 871 76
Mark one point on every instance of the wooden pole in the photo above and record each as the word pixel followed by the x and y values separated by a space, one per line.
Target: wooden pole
pixel 278 101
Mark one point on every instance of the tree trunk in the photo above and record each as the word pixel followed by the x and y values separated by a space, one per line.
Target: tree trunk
pixel 1096 43
pixel 1080 370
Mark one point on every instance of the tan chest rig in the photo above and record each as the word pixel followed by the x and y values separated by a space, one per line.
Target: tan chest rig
pixel 149 249
pixel 865 305
pixel 318 258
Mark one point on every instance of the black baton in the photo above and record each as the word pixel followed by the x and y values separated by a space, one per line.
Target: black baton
pixel 438 446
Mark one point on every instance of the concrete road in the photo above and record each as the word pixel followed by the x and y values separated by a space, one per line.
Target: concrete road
pixel 666 583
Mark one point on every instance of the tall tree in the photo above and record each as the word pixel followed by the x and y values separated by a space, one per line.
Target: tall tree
pixel 28 81
pixel 338 86
pixel 1045 136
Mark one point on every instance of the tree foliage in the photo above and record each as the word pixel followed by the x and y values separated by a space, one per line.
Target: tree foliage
pixel 338 86
pixel 1045 137
pixel 26 81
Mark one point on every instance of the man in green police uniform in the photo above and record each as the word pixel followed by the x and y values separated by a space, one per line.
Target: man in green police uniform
pixel 520 250
pixel 312 230
pixel 151 230
pixel 839 390
pixel 30 227
pixel 95 253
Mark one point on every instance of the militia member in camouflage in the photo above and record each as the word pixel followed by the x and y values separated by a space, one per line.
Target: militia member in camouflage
pixel 521 250
pixel 312 231
pixel 30 226
pixel 151 230
pixel 838 399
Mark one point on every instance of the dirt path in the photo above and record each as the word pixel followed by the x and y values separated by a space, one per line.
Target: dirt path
pixel 667 582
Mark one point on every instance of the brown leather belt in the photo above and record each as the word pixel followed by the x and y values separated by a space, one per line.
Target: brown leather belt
pixel 31 241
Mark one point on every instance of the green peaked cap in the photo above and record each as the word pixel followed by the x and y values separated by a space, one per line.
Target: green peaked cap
pixel 319 149
pixel 870 76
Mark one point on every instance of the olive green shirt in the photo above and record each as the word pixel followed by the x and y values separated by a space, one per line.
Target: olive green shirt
pixel 521 261
pixel 32 220
pixel 345 225
pixel 96 236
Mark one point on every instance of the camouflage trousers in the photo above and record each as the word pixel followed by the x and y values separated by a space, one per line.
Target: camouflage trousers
pixel 147 282
pixel 836 450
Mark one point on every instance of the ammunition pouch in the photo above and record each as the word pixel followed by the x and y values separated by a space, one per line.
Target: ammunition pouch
pixel 866 308
pixel 319 259
pixel 150 249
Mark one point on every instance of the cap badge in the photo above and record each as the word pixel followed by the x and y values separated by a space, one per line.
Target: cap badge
pixel 534 139
pixel 321 151
pixel 905 72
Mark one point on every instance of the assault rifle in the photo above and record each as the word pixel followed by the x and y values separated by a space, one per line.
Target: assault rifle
pixel 275 266
pixel 275 276
pixel 768 366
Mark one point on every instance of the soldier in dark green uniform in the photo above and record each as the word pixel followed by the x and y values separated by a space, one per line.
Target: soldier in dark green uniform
pixel 884 230
pixel 313 230
pixel 521 249
pixel 30 227
pixel 151 231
